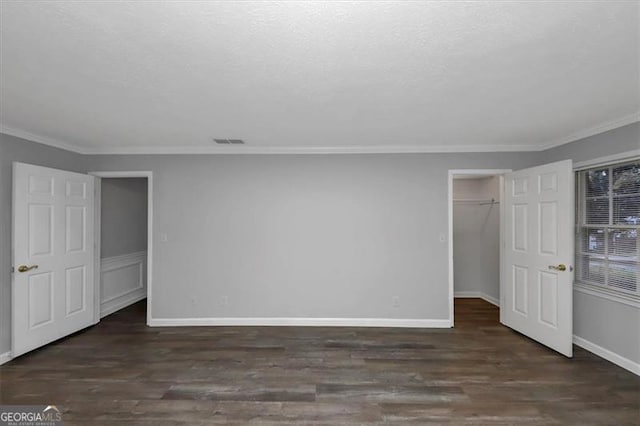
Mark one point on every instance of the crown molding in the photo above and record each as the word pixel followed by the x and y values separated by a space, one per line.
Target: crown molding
pixel 248 149
pixel 353 149
pixel 601 161
pixel 380 149
pixel 56 143
pixel 591 131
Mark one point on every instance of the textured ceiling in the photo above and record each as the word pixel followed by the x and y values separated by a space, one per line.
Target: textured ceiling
pixel 317 76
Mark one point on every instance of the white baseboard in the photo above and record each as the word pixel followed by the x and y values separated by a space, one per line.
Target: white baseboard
pixel 491 300
pixel 467 294
pixel 613 357
pixel 114 306
pixel 5 357
pixel 122 281
pixel 302 322
pixel 477 294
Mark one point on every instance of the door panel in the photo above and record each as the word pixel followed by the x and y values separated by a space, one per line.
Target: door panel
pixel 40 306
pixel 520 290
pixel 41 230
pixel 75 229
pixel 538 229
pixel 76 289
pixel 53 229
pixel 520 227
pixel 548 226
pixel 547 293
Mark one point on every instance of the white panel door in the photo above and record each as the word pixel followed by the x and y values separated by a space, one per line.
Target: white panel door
pixel 52 255
pixel 537 276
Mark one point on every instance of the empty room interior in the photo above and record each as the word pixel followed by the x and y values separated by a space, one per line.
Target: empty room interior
pixel 306 212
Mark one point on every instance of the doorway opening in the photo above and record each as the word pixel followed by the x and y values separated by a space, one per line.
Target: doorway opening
pixel 123 235
pixel 475 216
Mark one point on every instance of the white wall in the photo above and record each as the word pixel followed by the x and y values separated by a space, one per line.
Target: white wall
pixel 610 325
pixel 315 236
pixel 610 328
pixel 476 238
pixel 232 224
pixel 123 216
pixel 312 236
pixel 465 188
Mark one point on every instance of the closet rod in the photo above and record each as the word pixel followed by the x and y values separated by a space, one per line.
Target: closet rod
pixel 480 201
pixel 492 202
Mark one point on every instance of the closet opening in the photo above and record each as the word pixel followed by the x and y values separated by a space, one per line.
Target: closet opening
pixel 123 235
pixel 475 215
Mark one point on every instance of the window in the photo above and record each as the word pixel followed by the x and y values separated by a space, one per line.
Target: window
pixel 608 221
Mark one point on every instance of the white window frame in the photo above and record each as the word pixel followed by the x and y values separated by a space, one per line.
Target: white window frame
pixel 597 290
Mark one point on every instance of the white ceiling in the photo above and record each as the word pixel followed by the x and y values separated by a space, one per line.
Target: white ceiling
pixel 106 77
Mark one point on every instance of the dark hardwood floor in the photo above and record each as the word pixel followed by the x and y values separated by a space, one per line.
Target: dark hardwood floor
pixel 121 372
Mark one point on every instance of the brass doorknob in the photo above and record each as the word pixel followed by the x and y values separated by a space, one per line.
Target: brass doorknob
pixel 25 268
pixel 560 267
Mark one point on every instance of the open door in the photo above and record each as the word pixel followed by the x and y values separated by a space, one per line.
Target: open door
pixel 53 246
pixel 537 276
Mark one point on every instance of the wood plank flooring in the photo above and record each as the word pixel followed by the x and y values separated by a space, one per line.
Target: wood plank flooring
pixel 121 372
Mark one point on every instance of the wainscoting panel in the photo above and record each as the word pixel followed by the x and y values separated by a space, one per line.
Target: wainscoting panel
pixel 123 281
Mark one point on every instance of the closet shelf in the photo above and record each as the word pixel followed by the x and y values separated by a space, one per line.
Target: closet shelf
pixel 481 202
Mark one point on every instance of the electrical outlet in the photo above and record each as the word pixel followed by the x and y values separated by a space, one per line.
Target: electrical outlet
pixel 164 238
pixel 395 301
pixel 224 300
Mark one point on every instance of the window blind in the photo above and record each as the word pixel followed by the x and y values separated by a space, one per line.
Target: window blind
pixel 608 221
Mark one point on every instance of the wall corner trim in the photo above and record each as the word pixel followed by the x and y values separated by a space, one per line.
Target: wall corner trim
pixel 301 322
pixel 610 356
pixel 5 357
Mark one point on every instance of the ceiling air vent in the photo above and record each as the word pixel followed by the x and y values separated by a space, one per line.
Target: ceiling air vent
pixel 229 141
